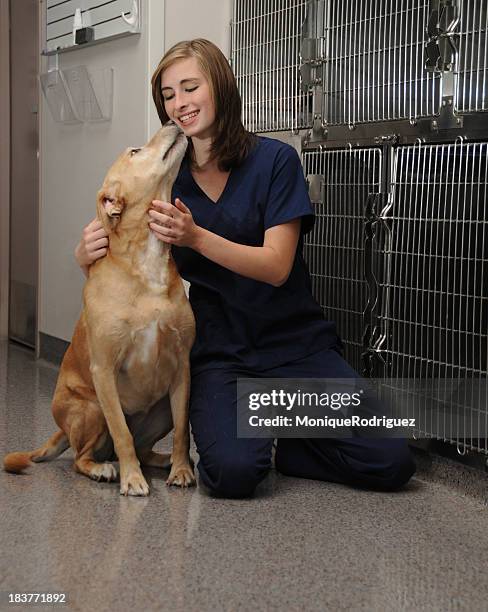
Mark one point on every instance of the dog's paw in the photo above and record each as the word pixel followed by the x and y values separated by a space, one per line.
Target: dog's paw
pixel 103 471
pixel 134 483
pixel 182 476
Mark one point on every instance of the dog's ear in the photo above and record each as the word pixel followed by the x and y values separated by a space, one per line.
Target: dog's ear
pixel 109 209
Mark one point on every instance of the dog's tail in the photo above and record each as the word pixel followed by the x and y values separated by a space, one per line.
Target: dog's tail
pixel 16 462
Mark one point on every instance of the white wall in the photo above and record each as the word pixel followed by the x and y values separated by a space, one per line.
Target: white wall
pixel 75 158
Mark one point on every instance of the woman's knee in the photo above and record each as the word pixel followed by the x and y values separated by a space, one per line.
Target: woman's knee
pixel 384 465
pixel 232 474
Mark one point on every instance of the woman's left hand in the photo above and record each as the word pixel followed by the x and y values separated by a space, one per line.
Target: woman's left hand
pixel 173 224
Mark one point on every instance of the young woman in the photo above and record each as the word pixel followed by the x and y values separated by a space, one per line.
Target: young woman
pixel 239 210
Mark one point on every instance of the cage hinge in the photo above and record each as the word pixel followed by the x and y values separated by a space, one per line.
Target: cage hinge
pixel 441 50
pixel 311 83
pixel 311 67
pixel 310 64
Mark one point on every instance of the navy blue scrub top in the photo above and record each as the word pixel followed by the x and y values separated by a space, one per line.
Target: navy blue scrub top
pixel 240 321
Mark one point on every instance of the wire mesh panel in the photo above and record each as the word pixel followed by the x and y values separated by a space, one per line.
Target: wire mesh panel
pixel 399 253
pixel 472 66
pixel 432 267
pixel 374 64
pixel 334 249
pixel 265 60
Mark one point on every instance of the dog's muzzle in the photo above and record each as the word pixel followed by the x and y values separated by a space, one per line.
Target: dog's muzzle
pixel 171 146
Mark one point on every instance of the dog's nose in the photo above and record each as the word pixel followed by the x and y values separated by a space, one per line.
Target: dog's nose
pixel 173 124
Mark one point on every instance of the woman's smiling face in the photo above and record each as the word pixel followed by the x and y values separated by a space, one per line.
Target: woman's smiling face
pixel 187 98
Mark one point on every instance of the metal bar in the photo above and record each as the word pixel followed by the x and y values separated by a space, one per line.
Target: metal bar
pixel 485 56
pixel 472 70
pixel 471 67
pixel 384 63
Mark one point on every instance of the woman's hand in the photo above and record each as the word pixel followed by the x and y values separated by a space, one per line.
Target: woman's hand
pixel 92 246
pixel 173 224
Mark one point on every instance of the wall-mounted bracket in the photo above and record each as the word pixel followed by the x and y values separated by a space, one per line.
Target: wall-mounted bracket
pixel 447 120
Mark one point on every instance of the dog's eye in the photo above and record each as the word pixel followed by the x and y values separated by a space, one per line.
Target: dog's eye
pixel 134 151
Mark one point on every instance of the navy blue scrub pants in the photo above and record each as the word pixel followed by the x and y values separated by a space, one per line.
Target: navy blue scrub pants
pixel 232 467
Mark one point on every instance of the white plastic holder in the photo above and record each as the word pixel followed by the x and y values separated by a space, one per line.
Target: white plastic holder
pixel 57 94
pixel 91 92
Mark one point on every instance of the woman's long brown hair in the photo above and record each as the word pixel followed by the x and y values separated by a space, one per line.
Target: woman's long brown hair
pixel 232 142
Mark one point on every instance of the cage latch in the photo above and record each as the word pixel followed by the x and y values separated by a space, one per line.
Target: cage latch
pixel 316 188
pixel 372 361
pixel 387 139
pixel 442 47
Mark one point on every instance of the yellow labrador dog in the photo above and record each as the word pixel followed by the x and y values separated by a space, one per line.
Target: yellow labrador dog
pixel 125 376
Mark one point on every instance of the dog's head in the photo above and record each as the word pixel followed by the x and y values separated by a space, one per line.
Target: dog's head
pixel 140 174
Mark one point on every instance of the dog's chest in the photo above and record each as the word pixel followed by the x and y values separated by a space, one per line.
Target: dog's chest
pixel 149 365
pixel 145 345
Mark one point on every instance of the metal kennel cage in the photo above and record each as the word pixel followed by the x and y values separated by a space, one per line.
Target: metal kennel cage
pixel 265 57
pixel 387 101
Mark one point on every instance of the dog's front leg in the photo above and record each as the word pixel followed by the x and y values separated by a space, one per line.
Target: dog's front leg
pixel 132 482
pixel 181 473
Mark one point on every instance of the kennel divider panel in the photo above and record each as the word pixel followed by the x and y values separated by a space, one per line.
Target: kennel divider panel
pixel 335 248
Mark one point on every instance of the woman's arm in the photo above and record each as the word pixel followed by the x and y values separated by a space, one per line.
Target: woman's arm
pixel 270 263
